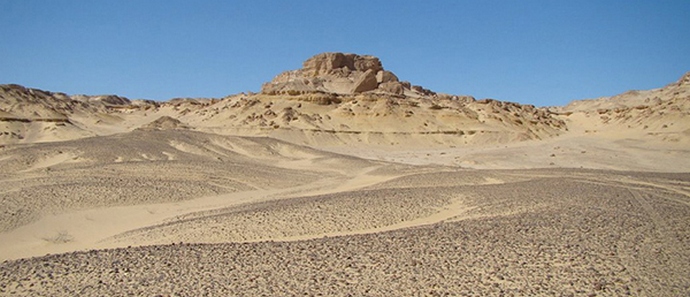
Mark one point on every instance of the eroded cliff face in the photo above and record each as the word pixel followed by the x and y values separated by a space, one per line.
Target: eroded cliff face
pixel 341 74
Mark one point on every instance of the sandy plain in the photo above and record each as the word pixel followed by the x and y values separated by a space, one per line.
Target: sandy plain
pixel 185 213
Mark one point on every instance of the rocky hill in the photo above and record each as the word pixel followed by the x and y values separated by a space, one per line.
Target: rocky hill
pixel 333 74
pixel 337 99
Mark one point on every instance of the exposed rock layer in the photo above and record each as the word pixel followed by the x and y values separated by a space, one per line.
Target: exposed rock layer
pixel 338 99
pixel 338 73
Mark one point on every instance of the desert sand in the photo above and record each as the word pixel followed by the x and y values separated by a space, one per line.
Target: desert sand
pixel 340 179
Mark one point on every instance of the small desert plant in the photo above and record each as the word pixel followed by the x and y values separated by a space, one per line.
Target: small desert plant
pixel 61 237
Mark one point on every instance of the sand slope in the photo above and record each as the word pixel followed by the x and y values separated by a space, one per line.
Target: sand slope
pixel 55 187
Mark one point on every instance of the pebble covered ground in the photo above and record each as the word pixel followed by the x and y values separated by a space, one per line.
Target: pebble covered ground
pixel 137 168
pixel 556 233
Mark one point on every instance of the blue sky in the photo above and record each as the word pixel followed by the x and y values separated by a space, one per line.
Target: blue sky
pixel 534 52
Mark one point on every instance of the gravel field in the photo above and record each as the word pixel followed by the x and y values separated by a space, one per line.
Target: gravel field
pixel 543 236
pixel 303 216
pixel 130 169
pixel 578 252
pixel 330 225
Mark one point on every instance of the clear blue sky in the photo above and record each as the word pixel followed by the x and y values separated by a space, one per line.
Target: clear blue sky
pixel 537 52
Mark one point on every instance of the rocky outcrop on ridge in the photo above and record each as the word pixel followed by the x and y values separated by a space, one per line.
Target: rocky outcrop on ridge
pixel 663 112
pixel 341 74
pixel 25 104
pixel 684 80
pixel 165 123
pixel 111 100
pixel 676 91
pixel 31 104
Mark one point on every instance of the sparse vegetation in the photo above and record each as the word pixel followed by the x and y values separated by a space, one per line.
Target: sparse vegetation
pixel 60 238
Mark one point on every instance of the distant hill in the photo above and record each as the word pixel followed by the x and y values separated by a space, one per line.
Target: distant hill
pixel 340 99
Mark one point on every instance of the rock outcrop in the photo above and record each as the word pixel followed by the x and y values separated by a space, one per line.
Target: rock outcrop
pixel 108 100
pixel 165 123
pixel 365 82
pixel 341 74
pixel 684 80
pixel 661 113
pixel 21 103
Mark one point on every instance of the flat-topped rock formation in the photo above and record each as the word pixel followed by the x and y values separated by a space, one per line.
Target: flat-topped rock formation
pixel 341 74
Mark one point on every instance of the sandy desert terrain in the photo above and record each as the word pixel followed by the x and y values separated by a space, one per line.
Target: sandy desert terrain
pixel 340 179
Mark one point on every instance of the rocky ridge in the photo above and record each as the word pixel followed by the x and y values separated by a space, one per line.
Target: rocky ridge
pixel 334 99
pixel 658 112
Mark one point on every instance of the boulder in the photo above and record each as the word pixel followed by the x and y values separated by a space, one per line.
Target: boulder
pixel 293 87
pixel 365 82
pixel 365 63
pixel 392 87
pixel 422 91
pixel 326 63
pixel 385 76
